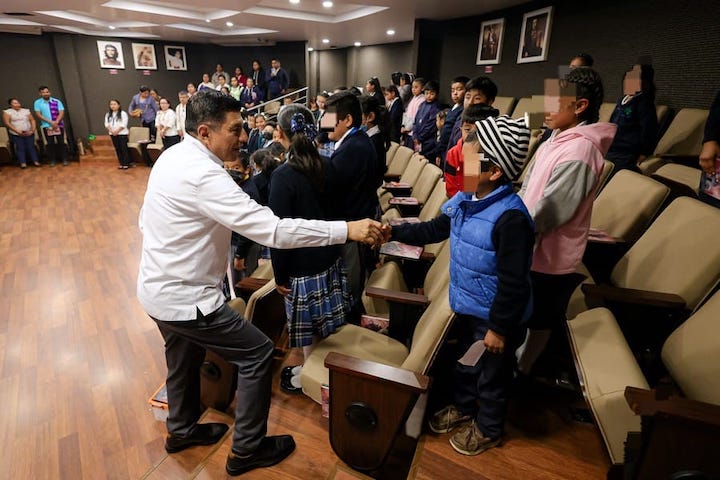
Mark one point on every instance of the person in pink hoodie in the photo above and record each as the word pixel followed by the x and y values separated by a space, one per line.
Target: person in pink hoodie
pixel 558 191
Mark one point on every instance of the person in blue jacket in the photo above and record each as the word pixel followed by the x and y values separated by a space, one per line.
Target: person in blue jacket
pixel 491 240
pixel 425 127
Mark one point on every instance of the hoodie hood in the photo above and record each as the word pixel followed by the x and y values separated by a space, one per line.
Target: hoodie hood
pixel 600 134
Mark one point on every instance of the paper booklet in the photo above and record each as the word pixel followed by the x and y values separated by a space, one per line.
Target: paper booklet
pixel 404 201
pixel 402 250
pixel 710 183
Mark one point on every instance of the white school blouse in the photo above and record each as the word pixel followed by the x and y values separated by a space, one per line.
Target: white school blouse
pixel 113 122
pixel 167 119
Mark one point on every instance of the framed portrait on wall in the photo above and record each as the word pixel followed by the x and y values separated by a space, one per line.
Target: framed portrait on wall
pixel 144 56
pixel 490 44
pixel 110 54
pixel 175 58
pixel 535 36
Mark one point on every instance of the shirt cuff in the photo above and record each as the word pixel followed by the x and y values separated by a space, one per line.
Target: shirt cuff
pixel 338 232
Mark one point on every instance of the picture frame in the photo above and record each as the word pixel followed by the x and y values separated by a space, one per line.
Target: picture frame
pixel 535 36
pixel 144 56
pixel 490 42
pixel 175 58
pixel 110 54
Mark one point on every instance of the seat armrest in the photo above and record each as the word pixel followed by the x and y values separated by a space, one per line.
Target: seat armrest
pixel 397 297
pixel 633 296
pixel 650 402
pixel 250 284
pixel 391 178
pixel 374 371
pixel 682 159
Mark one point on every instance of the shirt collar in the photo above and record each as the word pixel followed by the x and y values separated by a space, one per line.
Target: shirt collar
pixel 339 142
pixel 197 144
pixel 372 131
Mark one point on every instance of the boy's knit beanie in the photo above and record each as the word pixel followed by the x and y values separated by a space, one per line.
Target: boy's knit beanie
pixel 505 142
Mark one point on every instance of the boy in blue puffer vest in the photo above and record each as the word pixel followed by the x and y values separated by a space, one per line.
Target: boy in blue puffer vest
pixel 491 240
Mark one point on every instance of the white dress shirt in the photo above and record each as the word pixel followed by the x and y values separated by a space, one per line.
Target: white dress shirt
pixel 114 121
pixel 180 113
pixel 190 207
pixel 168 120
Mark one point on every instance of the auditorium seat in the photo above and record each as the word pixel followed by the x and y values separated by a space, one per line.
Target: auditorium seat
pixel 421 190
pixel 682 179
pixel 683 138
pixel 606 110
pixel 429 210
pixel 136 136
pixel 608 168
pixel 504 105
pixel 606 367
pixel 409 176
pixel 390 154
pixel 399 163
pixel 155 149
pixel 5 150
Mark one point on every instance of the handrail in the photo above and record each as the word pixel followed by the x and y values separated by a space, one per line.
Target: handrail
pixel 262 106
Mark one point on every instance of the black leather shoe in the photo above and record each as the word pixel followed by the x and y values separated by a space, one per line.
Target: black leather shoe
pixel 272 451
pixel 203 434
pixel 287 386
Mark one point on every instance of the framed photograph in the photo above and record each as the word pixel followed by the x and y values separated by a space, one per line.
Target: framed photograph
pixel 144 56
pixel 535 36
pixel 110 54
pixel 175 58
pixel 490 44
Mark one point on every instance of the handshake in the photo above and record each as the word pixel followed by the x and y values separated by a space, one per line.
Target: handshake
pixel 369 232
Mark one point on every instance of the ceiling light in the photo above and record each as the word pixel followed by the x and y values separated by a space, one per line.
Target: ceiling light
pixel 111 27
pixel 229 24
pixel 326 40
pixel 327 4
pixel 310 49
pixel 357 44
pixel 294 2
pixel 390 32
pixel 207 20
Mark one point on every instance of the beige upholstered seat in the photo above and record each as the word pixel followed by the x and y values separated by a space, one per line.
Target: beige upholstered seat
pixel 627 204
pixel 678 254
pixel 577 303
pixel 400 161
pixel 606 366
pixel 4 145
pixel 661 111
pixel 155 149
pixel 430 209
pixel 426 182
pixel 264 271
pixel 523 105
pixel 682 174
pixel 390 154
pixel 411 174
pixel 390 277
pixel 683 137
pixel 366 344
pixel 606 110
pixel 136 135
pixel 608 168
pixel 504 104
pixel 692 353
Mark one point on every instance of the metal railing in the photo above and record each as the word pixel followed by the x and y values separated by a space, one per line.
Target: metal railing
pixel 302 96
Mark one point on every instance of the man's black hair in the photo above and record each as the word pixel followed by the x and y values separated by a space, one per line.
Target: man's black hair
pixel 477 112
pixel 209 106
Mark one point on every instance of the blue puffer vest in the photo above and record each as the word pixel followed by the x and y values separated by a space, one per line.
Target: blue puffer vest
pixel 473 266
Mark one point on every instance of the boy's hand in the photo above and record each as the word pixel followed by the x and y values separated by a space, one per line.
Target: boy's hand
pixel 365 231
pixel 282 290
pixel 386 232
pixel 707 157
pixel 239 264
pixel 494 342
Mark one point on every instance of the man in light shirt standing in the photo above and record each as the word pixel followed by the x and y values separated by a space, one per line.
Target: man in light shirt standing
pixel 191 206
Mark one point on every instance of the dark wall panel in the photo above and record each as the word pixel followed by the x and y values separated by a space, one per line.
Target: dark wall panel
pixel 681 36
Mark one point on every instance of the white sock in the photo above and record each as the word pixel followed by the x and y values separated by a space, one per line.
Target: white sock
pixel 296 370
pixel 534 345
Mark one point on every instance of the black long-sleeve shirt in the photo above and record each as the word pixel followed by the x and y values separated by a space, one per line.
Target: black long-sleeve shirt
pixel 712 127
pixel 513 239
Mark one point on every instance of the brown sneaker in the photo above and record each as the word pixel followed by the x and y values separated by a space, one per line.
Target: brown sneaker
pixel 447 419
pixel 470 441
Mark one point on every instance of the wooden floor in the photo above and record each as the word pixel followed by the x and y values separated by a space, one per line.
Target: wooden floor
pixel 79 357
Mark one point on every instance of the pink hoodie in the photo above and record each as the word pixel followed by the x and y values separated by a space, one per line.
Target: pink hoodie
pixel 559 193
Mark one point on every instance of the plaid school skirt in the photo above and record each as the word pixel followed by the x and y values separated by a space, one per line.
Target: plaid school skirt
pixel 317 304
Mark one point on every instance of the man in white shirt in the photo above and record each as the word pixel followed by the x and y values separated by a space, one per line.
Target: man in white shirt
pixel 191 206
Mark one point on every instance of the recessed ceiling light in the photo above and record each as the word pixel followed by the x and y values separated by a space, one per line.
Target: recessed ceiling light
pixel 294 2
pixel 207 20
pixel 326 40
pixel 111 27
pixel 310 49
pixel 229 24
pixel 390 32
pixel 327 4
pixel 357 44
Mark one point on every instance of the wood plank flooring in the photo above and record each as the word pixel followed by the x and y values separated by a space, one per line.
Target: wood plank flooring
pixel 79 358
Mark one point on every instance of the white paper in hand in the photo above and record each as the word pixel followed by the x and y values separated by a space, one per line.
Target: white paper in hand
pixel 473 354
